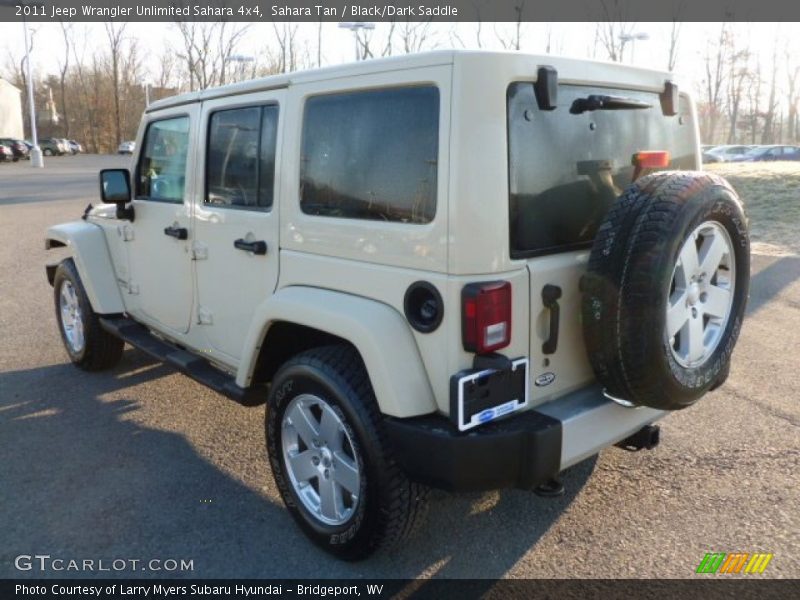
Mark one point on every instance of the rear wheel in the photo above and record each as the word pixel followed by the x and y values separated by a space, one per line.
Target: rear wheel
pixel 666 289
pixel 90 347
pixel 330 459
pixel 47 152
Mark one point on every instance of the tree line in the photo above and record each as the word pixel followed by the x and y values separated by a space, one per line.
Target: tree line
pixel 105 74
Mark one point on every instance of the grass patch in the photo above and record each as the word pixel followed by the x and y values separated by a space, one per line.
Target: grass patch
pixel 771 194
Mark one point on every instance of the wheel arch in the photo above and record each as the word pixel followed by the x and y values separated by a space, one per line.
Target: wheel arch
pixel 86 245
pixel 298 318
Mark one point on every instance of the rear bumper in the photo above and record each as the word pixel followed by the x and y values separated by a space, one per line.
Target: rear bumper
pixel 523 450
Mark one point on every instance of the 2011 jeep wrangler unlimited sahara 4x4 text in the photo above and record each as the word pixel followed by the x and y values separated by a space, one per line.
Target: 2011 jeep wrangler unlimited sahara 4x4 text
pixel 458 269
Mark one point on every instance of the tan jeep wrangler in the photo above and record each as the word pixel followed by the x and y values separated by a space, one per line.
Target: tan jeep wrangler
pixel 467 270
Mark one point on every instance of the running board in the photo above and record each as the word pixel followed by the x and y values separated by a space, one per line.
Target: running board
pixel 196 367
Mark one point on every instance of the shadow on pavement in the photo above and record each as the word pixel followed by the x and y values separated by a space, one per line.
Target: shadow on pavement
pixel 770 281
pixel 81 479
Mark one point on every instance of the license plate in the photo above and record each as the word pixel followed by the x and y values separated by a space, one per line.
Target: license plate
pixel 483 396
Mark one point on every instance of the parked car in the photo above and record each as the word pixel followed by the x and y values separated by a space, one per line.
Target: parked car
pixel 126 148
pixel 770 153
pixel 51 147
pixel 65 145
pixel 726 153
pixel 75 147
pixel 709 158
pixel 6 154
pixel 468 287
pixel 18 148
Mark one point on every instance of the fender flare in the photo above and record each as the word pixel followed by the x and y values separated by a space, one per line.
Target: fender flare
pixel 86 244
pixel 379 332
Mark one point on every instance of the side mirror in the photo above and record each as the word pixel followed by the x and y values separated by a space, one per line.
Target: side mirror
pixel 115 188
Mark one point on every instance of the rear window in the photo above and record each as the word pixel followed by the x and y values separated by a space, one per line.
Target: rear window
pixel 566 169
pixel 371 155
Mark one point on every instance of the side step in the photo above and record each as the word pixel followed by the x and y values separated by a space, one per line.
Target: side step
pixel 196 367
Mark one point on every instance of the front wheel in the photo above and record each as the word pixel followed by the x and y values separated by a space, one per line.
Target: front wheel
pixel 90 347
pixel 48 152
pixel 330 459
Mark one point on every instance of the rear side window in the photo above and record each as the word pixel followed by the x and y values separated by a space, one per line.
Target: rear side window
pixel 371 155
pixel 161 174
pixel 240 171
pixel 565 170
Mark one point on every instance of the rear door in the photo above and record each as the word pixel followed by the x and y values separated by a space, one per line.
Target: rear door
pixel 236 220
pixel 565 171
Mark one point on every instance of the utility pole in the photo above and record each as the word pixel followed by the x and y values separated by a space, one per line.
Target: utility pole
pixel 36 152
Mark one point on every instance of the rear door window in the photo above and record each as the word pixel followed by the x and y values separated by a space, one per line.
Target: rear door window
pixel 240 170
pixel 566 169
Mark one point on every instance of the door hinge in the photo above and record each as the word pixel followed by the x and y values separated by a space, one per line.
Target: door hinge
pixel 125 232
pixel 204 316
pixel 199 251
pixel 133 288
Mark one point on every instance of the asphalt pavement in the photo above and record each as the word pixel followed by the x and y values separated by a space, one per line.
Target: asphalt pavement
pixel 141 463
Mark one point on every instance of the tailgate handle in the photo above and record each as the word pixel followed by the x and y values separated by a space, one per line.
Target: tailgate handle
pixel 550 296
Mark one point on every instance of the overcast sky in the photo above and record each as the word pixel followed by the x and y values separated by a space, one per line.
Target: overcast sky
pixel 570 39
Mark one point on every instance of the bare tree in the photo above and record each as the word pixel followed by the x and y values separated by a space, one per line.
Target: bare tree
pixel 738 76
pixel 613 28
pixel 228 39
pixel 287 57
pixel 674 35
pixel 207 50
pixel 754 102
pixel 514 40
pixel 319 44
pixel 715 58
pixel 63 69
pixel 116 39
pixel 414 36
pixel 792 79
pixel 768 132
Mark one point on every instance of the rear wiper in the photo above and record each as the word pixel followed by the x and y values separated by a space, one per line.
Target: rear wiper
pixel 597 102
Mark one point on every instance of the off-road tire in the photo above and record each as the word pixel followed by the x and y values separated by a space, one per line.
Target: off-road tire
pixel 390 506
pixel 101 350
pixel 626 288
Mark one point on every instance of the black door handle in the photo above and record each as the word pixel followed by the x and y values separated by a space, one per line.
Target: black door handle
pixel 259 247
pixel 550 296
pixel 180 233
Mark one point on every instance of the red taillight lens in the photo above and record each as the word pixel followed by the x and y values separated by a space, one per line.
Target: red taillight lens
pixel 651 159
pixel 486 316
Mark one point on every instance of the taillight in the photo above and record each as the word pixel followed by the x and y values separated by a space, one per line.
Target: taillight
pixel 486 316
pixel 655 159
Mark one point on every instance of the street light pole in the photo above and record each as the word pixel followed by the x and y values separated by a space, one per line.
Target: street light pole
pixel 36 152
pixel 242 59
pixel 355 27
pixel 632 37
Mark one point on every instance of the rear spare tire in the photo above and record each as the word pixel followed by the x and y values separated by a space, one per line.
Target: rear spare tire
pixel 666 289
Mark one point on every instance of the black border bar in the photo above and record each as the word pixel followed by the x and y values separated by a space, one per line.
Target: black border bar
pixel 709 587
pixel 508 11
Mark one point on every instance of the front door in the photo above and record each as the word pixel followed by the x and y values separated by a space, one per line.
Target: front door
pixel 236 219
pixel 160 286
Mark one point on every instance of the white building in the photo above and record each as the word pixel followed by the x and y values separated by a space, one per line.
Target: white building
pixel 10 111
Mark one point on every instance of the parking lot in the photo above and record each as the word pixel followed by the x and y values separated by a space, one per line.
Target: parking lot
pixel 142 463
